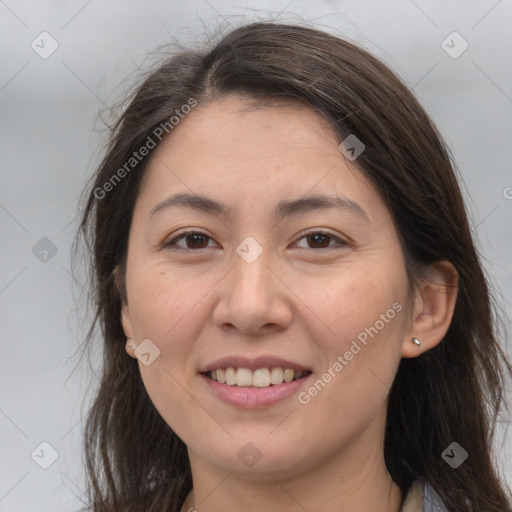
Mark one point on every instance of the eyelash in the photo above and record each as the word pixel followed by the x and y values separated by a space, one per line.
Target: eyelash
pixel 172 245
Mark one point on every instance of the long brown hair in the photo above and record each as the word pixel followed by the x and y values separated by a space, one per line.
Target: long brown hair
pixel 453 392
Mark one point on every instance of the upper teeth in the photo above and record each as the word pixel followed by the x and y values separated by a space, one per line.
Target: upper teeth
pixel 261 378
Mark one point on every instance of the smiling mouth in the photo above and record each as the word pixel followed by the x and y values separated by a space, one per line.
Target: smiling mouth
pixel 260 378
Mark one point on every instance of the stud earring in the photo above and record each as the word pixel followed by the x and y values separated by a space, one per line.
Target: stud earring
pixel 131 346
pixel 416 341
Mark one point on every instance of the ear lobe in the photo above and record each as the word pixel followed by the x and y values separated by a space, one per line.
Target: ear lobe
pixel 127 328
pixel 434 304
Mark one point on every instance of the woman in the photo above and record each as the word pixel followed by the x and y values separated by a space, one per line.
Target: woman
pixel 293 312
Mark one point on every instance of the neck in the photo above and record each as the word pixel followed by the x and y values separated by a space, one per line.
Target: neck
pixel 352 480
pixel 387 498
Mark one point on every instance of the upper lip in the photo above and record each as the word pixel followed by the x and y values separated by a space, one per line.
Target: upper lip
pixel 253 364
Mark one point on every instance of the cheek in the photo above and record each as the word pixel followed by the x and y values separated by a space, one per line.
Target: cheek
pixel 159 303
pixel 357 300
pixel 367 315
pixel 161 310
pixel 164 312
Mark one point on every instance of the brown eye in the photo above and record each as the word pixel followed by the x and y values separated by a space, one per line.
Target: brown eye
pixel 321 240
pixel 193 240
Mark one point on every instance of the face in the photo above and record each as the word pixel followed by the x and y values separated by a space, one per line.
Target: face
pixel 317 288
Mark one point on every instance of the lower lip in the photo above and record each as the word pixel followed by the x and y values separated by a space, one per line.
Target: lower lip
pixel 252 397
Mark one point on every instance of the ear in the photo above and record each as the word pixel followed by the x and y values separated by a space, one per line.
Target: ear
pixel 125 310
pixel 434 304
pixel 127 328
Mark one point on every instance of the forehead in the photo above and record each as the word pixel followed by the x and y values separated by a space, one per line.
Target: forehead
pixel 241 150
pixel 244 126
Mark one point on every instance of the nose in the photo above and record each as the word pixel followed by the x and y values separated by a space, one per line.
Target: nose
pixel 253 297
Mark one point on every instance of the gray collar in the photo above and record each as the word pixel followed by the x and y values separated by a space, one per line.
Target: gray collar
pixel 432 502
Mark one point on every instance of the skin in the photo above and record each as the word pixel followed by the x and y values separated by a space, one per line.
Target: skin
pixel 297 300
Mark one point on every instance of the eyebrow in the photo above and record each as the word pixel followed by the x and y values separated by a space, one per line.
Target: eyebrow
pixel 283 209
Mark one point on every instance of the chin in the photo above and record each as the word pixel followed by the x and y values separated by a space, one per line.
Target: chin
pixel 257 459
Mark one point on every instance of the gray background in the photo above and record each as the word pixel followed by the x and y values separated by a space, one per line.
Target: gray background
pixel 50 141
